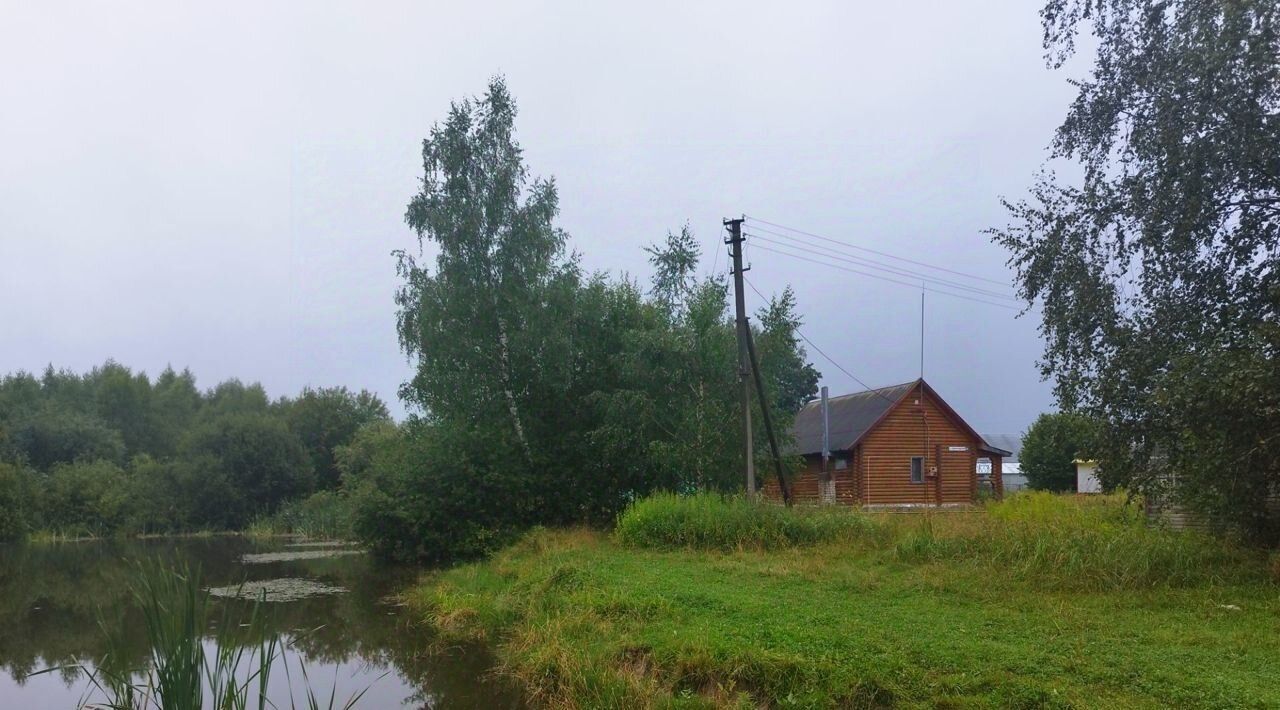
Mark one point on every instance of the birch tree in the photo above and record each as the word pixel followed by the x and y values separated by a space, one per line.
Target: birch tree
pixel 1156 269
pixel 467 321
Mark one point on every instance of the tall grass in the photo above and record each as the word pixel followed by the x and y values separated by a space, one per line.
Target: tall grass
pixel 1078 542
pixel 181 673
pixel 1052 541
pixel 713 522
pixel 324 515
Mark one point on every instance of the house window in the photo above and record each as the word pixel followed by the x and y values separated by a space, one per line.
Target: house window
pixel 842 463
pixel 917 469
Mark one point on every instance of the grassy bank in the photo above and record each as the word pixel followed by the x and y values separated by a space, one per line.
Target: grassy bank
pixel 1043 602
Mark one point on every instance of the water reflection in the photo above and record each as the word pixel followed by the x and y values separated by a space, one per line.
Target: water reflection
pixel 59 603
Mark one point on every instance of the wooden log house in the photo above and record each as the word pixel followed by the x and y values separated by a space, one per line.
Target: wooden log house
pixel 895 447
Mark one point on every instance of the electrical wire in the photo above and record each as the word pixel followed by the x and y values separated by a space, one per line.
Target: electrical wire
pixel 867 263
pixel 886 278
pixel 873 251
pixel 823 353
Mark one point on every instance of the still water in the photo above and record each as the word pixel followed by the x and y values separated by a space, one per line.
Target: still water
pixel 60 602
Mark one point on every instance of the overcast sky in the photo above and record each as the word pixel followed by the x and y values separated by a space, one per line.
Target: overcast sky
pixel 220 185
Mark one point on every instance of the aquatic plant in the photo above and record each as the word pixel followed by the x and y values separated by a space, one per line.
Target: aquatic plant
pixel 325 515
pixel 285 589
pixel 183 671
pixel 257 558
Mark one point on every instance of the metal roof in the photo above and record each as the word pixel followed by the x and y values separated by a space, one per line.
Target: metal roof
pixel 850 416
pixel 1009 442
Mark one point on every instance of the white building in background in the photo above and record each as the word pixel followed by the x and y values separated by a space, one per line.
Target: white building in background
pixel 1010 467
pixel 1087 476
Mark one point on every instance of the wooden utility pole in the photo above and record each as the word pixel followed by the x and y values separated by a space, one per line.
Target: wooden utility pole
pixel 744 363
pixel 768 418
pixel 747 343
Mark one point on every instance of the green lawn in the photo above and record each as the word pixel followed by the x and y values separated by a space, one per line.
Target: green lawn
pixel 585 622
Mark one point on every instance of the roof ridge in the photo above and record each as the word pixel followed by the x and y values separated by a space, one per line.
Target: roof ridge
pixel 863 392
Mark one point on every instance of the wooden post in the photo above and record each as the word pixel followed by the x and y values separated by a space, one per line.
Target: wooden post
pixel 740 321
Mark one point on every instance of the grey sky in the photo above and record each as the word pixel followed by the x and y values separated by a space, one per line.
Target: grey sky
pixel 220 185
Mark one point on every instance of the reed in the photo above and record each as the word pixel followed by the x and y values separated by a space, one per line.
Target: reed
pixel 325 515
pixel 183 671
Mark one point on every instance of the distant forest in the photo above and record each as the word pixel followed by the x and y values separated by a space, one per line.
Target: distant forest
pixel 113 451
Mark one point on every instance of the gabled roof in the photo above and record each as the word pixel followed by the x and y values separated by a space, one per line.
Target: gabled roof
pixel 851 416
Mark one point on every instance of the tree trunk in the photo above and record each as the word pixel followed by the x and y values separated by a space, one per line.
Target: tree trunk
pixel 504 374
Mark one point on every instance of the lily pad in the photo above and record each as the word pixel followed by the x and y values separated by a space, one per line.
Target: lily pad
pixel 258 558
pixel 286 589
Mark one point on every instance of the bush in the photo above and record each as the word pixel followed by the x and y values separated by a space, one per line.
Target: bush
pixel 425 494
pixel 87 498
pixel 717 522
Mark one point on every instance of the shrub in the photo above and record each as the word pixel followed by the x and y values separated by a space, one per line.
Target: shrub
pixel 425 494
pixel 87 497
pixel 712 521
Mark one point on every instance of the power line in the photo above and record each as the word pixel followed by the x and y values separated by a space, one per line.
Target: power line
pixel 821 352
pixel 831 253
pixel 870 263
pixel 873 251
pixel 886 278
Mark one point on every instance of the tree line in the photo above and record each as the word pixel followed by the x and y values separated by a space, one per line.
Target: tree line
pixel 113 451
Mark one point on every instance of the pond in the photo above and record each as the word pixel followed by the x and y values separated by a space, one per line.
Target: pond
pixel 60 602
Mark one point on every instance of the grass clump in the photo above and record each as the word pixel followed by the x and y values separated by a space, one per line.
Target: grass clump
pixel 708 521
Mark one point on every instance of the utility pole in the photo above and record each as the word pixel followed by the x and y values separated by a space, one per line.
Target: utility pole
pixel 753 363
pixel 740 322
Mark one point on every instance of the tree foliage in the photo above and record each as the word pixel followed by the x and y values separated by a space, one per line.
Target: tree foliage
pixel 329 417
pixel 1156 268
pixel 113 451
pixel 1052 445
pixel 546 395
